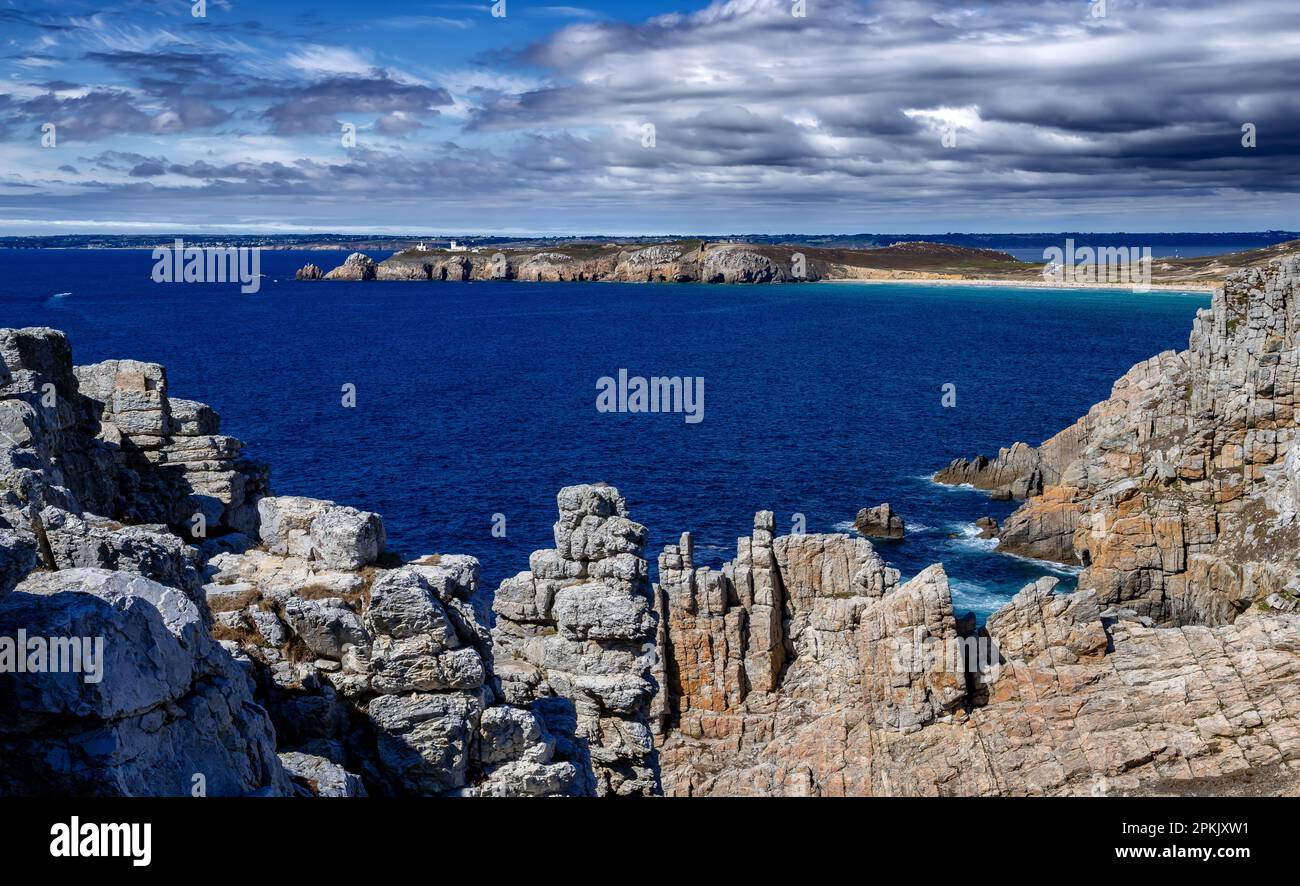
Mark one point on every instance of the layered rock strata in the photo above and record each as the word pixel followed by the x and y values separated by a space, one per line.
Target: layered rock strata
pixel 574 642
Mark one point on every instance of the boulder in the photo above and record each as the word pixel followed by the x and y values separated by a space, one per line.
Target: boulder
pixel 336 536
pixel 328 626
pixel 320 777
pixel 164 705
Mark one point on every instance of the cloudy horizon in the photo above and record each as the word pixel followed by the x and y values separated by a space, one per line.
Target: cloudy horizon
pixel 649 118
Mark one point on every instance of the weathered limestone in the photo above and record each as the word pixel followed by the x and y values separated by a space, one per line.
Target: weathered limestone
pixel 385 674
pixel 657 263
pixel 169 704
pixel 574 643
pixel 373 678
pixel 312 529
pixel 320 777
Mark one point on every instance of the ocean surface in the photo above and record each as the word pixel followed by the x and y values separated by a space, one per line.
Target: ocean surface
pixel 477 400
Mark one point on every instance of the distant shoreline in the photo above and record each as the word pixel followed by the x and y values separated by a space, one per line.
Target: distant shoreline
pixel 1031 284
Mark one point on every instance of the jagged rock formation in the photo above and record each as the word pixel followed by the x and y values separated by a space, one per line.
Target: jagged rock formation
pixel 358 266
pixel 351 672
pixel 289 652
pixel 879 522
pixel 884 692
pixel 309 272
pixel 574 642
pixel 1177 494
pixel 384 672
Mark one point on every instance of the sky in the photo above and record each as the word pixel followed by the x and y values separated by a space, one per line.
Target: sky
pixel 746 116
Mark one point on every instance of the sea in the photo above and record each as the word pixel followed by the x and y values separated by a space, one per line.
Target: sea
pixel 474 403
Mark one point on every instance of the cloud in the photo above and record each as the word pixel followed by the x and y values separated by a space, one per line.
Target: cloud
pixel 850 102
pixel 312 108
pixel 761 118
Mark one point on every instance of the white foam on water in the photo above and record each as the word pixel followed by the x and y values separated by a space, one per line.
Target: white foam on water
pixel 982 598
pixel 970 538
pixel 847 526
pixel 1049 565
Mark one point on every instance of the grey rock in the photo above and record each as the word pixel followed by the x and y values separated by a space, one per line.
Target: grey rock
pixel 320 776
pixel 171 704
pixel 326 626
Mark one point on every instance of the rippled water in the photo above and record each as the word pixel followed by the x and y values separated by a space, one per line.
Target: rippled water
pixel 479 399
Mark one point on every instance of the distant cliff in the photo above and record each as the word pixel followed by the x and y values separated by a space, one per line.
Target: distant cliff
pixel 700 261
pixel 685 261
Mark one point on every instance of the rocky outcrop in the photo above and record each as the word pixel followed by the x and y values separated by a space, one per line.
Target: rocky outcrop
pixel 86 450
pixel 661 263
pixel 1177 492
pixel 357 266
pixel 252 644
pixel 684 262
pixel 1013 473
pixel 171 460
pixel 309 272
pixel 378 674
pixel 574 643
pixel 158 709
pixel 286 650
pixel 884 692
pixel 879 522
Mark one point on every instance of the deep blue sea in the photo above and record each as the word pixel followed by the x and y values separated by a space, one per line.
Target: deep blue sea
pixel 479 399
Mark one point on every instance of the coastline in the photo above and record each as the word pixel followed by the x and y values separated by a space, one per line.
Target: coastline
pixel 1189 288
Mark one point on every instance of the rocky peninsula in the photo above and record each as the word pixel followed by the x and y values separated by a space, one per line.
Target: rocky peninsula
pixel 274 645
pixel 701 261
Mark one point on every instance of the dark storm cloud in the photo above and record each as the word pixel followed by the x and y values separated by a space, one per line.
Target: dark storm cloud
pixel 864 90
pixel 311 108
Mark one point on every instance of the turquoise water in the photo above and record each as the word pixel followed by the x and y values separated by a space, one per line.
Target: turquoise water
pixel 478 399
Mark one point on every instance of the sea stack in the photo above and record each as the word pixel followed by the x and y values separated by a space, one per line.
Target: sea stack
pixel 879 522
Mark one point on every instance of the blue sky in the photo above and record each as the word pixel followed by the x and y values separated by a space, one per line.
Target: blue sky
pixel 894 115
